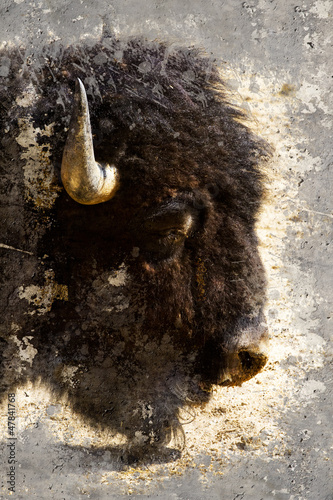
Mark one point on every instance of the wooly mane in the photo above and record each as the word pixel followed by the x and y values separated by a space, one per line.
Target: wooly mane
pixel 162 116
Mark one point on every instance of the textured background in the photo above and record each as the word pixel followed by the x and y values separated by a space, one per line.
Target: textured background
pixel 271 438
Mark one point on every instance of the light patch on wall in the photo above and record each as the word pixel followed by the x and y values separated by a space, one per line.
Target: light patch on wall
pixel 321 8
pixel 118 277
pixel 68 373
pixel 28 97
pixel 27 352
pixel 52 36
pixel 140 438
pixel 144 409
pixel 42 297
pixel 311 95
pixel 107 291
pixel 39 178
pixel 311 389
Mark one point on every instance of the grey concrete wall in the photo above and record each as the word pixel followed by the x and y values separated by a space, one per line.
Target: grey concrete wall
pixel 272 437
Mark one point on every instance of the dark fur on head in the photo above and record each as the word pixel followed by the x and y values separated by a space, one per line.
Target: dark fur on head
pixel 162 116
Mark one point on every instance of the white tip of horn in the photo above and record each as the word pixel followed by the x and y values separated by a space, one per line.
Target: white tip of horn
pixel 85 180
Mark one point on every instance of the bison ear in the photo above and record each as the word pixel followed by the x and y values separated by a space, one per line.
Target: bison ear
pixel 85 180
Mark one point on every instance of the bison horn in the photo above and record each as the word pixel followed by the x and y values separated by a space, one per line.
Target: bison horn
pixel 85 180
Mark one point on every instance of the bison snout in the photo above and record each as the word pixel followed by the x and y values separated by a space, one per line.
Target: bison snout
pixel 244 363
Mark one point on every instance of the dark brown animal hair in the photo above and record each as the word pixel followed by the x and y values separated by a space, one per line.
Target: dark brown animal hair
pixel 183 153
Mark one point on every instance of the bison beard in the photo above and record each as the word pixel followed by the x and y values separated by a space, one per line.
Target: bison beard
pixel 165 284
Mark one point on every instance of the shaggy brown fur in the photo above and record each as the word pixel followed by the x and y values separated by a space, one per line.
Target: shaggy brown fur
pixel 147 348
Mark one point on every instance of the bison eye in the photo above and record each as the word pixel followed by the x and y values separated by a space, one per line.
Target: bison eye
pixel 164 243
pixel 163 233
pixel 171 236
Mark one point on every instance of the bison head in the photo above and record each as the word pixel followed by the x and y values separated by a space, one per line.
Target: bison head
pixel 154 236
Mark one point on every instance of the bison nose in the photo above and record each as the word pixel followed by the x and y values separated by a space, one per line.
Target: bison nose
pixel 243 364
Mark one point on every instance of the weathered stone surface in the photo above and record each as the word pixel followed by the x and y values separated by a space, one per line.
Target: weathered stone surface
pixel 266 439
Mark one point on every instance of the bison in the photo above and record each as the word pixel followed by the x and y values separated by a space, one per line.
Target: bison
pixel 129 250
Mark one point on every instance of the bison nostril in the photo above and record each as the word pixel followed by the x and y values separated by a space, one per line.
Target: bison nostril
pixel 246 360
pixel 242 366
pixel 251 362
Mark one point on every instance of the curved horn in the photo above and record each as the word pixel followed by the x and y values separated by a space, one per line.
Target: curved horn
pixel 85 180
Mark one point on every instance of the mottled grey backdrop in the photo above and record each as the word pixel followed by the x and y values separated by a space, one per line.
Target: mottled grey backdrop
pixel 271 438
